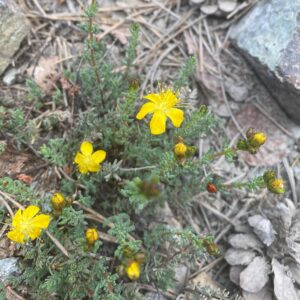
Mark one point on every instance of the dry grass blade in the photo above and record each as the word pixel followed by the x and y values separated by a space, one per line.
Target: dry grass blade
pixel 58 244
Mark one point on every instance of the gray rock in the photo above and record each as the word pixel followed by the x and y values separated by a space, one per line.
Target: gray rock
pixel 10 76
pixel 263 228
pixel 8 267
pixel 13 29
pixel 269 37
pixel 239 256
pixel 234 274
pixel 181 277
pixel 255 276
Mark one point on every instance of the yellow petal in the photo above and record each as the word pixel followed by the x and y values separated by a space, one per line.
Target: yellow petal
pixel 176 115
pixel 158 123
pixel 155 98
pixel 170 98
pixel 93 167
pixel 16 236
pixel 145 109
pixel 30 212
pixel 41 221
pixel 78 158
pixel 98 156
pixel 17 218
pixel 83 168
pixel 34 233
pixel 86 148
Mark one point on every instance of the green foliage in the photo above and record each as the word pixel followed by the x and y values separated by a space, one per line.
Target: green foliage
pixel 139 173
pixel 55 152
pixel 185 73
pixel 35 94
pixel 133 43
pixel 252 185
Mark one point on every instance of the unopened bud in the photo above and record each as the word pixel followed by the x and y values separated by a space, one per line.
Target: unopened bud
pixel 91 236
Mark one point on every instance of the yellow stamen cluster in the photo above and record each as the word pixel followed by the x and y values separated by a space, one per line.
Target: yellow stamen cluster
pixel 274 184
pixel 254 140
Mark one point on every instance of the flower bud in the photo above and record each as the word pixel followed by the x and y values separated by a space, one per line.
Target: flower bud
pixel 140 257
pixel 121 270
pixel 211 247
pixel 276 186
pixel 203 109
pixel 91 236
pixel 133 270
pixel 58 201
pixel 268 176
pixel 180 149
pixel 257 139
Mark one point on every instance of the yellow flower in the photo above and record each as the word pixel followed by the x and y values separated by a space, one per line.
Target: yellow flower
pixel 276 186
pixel 26 224
pixel 162 105
pixel 133 270
pixel 91 236
pixel 258 139
pixel 180 149
pixel 87 160
pixel 58 201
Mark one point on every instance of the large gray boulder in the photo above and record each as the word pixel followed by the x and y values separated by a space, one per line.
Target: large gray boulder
pixel 13 29
pixel 269 37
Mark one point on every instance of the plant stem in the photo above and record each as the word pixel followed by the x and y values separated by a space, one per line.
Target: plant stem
pixel 93 59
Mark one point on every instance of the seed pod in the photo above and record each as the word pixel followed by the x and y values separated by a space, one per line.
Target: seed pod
pixel 211 188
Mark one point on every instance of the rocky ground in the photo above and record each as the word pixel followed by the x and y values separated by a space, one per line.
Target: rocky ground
pixel 46 38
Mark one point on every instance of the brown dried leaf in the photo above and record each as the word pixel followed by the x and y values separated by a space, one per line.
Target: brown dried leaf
pixel 255 276
pixel 263 229
pixel 46 73
pixel 239 257
pixel 204 279
pixel 121 33
pixel 11 164
pixel 25 178
pixel 191 47
pixel 283 285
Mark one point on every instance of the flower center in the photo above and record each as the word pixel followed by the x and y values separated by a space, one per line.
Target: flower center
pixel 88 160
